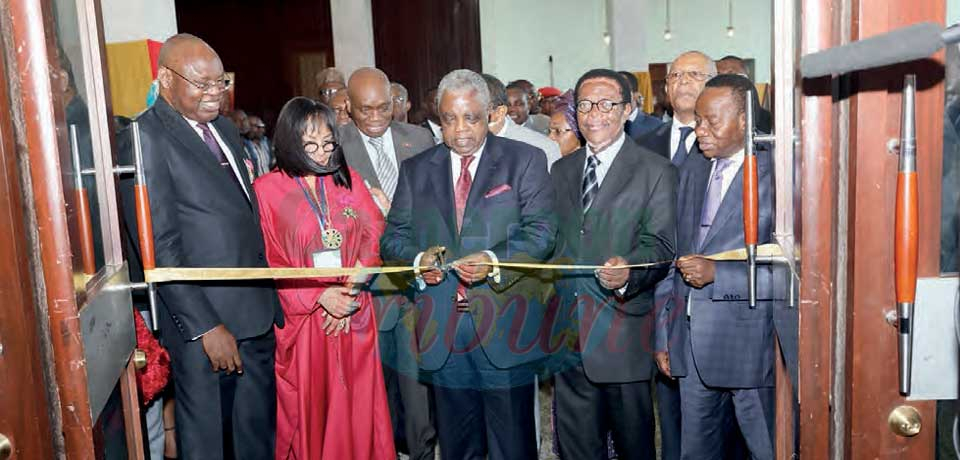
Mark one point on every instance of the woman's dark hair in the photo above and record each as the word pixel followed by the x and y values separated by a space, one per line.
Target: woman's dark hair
pixel 297 117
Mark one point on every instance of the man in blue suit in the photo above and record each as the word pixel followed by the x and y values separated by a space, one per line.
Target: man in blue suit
pixel 719 347
pixel 474 199
pixel 686 76
pixel 638 123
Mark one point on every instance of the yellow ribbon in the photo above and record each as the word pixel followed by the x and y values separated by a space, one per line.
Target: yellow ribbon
pixel 171 274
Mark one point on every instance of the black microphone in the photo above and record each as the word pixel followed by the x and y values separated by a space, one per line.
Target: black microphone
pixel 900 45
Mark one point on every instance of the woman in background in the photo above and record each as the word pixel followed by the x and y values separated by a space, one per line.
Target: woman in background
pixel 563 124
pixel 315 212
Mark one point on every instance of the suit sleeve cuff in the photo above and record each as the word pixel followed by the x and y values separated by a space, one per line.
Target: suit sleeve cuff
pixel 421 285
pixel 495 272
pixel 205 333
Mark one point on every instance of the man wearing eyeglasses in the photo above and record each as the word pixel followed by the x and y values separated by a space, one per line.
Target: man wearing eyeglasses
pixel 676 141
pixel 329 81
pixel 617 206
pixel 205 214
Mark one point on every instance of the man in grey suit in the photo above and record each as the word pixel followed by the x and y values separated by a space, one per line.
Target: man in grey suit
pixel 721 349
pixel 617 205
pixel 375 145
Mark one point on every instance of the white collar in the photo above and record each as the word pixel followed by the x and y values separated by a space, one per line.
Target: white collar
pixel 608 154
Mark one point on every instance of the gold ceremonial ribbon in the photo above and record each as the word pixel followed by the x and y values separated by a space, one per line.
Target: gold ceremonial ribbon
pixel 169 274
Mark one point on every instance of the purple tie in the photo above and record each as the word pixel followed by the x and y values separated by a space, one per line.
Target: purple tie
pixel 212 144
pixel 711 202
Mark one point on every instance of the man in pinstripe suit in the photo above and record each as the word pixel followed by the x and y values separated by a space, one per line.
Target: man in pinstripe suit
pixel 719 347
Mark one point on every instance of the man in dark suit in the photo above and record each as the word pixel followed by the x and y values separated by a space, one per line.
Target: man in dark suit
pixel 375 146
pixel 617 205
pixel 481 199
pixel 720 348
pixel 734 65
pixel 687 75
pixel 638 123
pixel 219 334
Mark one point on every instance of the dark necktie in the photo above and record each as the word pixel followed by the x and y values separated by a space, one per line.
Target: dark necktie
pixel 217 152
pixel 681 153
pixel 591 186
pixel 460 195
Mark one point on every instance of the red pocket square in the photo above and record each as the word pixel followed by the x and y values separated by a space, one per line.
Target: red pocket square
pixel 498 190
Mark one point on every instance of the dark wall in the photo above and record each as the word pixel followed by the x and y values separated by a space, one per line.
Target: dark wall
pixel 417 42
pixel 265 43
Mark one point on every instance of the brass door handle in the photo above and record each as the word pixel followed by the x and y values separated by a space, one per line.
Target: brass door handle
pixel 6 447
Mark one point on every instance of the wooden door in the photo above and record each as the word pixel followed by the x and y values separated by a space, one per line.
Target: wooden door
pixel 62 130
pixel 847 183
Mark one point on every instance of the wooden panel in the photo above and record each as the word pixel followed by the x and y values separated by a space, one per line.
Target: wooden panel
pixel 23 401
pixel 420 43
pixel 814 232
pixel 262 41
pixel 875 118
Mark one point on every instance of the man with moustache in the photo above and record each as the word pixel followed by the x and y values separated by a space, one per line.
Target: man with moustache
pixel 205 214
pixel 476 199
pixel 675 140
pixel 375 146
pixel 719 348
pixel 617 206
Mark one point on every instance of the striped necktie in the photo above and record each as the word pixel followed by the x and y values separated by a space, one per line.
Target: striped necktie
pixel 591 186
pixel 386 172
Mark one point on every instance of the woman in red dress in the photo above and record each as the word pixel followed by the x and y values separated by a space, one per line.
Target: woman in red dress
pixel 315 212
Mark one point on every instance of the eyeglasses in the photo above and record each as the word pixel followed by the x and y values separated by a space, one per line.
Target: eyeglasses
pixel 312 147
pixel 604 105
pixel 260 126
pixel 693 74
pixel 558 132
pixel 329 92
pixel 222 84
pixel 400 99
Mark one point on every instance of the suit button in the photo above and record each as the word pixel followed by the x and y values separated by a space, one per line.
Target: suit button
pixel 260 256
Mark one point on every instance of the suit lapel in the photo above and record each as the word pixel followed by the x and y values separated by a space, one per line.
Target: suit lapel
pixel 487 168
pixel 442 183
pixel 697 180
pixel 402 148
pixel 576 180
pixel 236 150
pixel 618 174
pixel 199 153
pixel 359 159
pixel 732 204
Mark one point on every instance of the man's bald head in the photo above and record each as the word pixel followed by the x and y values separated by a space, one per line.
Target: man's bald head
pixel 191 77
pixel 371 105
pixel 365 77
pixel 182 46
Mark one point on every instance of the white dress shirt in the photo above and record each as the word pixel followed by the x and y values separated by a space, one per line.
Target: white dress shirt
pixel 223 146
pixel 455 168
pixel 728 174
pixel 511 130
pixel 606 158
pixel 387 148
pixel 675 137
pixel 437 132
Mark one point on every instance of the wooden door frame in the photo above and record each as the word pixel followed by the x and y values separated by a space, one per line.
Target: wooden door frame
pixel 26 420
pixel 53 266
